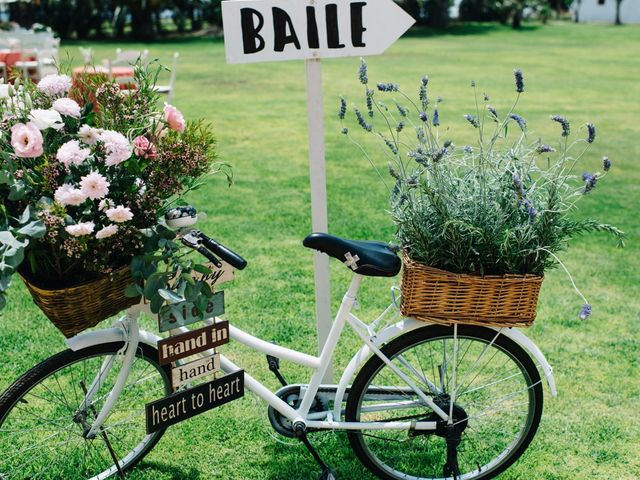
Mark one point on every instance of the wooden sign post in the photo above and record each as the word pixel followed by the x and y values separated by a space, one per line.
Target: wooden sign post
pixel 274 30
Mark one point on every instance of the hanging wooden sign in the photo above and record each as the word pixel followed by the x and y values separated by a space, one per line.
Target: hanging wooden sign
pixel 189 372
pixel 194 401
pixel 218 275
pixel 185 313
pixel 196 341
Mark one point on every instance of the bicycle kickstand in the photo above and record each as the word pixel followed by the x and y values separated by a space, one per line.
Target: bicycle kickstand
pixel 301 432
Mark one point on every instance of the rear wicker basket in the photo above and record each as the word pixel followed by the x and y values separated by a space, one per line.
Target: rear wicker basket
pixel 74 309
pixel 439 296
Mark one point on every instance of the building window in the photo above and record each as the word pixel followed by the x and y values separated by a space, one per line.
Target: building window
pixel 600 2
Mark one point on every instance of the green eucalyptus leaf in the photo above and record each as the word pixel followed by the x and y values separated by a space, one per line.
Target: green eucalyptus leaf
pixel 17 190
pixel 156 303
pixel 202 269
pixel 35 229
pixel 132 290
pixel 170 296
pixel 5 281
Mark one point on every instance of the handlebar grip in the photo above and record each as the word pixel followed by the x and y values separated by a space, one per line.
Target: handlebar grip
pixel 228 255
pixel 209 256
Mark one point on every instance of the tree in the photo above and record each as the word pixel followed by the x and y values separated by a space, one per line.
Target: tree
pixel 618 2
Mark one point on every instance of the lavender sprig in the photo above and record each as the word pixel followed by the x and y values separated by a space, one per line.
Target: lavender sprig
pixel 591 129
pixel 436 118
pixel 343 108
pixel 544 148
pixel 522 123
pixel 517 73
pixel 423 116
pixel 403 111
pixel 388 87
pixel 585 312
pixel 473 120
pixel 590 181
pixel 493 112
pixel 363 123
pixel 566 127
pixel 606 163
pixel 400 126
pixel 370 102
pixel 362 72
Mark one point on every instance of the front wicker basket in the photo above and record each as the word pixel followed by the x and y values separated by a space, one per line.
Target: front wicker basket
pixel 435 295
pixel 74 309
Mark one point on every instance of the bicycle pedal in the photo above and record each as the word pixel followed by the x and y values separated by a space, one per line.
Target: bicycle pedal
pixel 274 366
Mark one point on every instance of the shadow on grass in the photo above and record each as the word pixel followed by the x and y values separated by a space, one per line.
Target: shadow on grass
pixel 173 472
pixel 468 29
pixel 296 462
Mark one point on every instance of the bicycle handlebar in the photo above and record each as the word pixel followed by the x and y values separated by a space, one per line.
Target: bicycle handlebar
pixel 226 254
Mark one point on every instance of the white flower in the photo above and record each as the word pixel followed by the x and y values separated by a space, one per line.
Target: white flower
pixel 61 193
pixel 117 146
pixel 89 135
pixel 71 153
pixel 106 232
pixel 55 85
pixel 4 90
pixel 68 195
pixel 68 107
pixel 104 204
pixel 94 185
pixel 119 214
pixel 80 229
pixel 44 119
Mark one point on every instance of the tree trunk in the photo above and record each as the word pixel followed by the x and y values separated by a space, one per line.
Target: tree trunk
pixel 516 21
pixel 618 2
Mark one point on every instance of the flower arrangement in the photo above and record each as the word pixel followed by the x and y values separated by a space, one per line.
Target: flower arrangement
pixel 86 172
pixel 503 205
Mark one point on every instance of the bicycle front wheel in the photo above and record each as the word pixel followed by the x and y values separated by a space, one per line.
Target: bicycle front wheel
pixel 497 407
pixel 44 419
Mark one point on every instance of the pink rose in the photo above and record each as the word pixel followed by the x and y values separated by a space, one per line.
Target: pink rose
pixel 174 118
pixel 26 140
pixel 142 147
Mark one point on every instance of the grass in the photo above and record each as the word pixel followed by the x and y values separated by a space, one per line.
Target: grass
pixel 588 73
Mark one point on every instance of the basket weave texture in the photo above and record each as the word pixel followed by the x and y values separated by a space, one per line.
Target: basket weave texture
pixel 435 295
pixel 75 309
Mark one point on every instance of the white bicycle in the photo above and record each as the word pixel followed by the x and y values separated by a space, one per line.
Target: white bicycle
pixel 418 401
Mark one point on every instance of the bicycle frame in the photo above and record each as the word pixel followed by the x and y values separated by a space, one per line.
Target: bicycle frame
pixel 126 329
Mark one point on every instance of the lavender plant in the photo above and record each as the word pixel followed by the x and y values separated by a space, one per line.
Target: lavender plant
pixel 501 206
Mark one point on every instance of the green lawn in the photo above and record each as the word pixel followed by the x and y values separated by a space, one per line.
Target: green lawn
pixel 588 73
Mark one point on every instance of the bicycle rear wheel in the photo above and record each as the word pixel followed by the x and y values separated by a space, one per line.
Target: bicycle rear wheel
pixel 43 424
pixel 497 407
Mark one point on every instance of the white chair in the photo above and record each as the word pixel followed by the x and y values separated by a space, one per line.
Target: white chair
pixel 129 57
pixel 87 55
pixel 45 63
pixel 127 83
pixel 169 90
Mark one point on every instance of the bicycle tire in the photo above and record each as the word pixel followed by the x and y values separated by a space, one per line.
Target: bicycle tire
pixel 405 343
pixel 25 388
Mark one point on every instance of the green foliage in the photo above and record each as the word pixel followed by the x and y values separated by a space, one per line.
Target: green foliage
pixel 501 206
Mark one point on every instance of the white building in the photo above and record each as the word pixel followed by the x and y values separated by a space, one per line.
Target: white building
pixel 605 11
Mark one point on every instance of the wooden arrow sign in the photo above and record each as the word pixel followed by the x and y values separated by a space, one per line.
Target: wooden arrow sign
pixel 271 30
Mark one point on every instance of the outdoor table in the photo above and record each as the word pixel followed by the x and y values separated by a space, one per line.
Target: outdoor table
pixel 101 74
pixel 104 72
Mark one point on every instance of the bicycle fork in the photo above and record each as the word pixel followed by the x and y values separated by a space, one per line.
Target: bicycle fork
pixel 132 337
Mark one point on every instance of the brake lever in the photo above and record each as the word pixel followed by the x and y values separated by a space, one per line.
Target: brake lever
pixel 192 240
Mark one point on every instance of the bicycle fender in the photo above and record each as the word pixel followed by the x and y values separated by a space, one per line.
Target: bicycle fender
pixel 409 324
pixel 109 335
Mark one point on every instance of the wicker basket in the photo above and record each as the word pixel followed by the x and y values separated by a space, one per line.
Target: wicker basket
pixel 74 309
pixel 439 296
